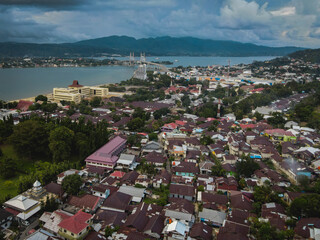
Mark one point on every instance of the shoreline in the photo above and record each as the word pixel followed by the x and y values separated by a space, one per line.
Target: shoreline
pixel 32 99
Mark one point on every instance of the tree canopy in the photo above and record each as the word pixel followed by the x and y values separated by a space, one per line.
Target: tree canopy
pixel 71 184
pixel 60 143
pixel 30 138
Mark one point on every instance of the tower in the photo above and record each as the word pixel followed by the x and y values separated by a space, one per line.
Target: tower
pixel 131 58
pixel 142 57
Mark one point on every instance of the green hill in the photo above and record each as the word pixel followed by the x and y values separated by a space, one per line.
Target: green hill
pixel 309 55
pixel 160 46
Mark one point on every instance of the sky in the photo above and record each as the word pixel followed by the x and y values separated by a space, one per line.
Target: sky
pixel 263 22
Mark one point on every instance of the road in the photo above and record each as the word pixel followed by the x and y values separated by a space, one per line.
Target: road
pixel 24 234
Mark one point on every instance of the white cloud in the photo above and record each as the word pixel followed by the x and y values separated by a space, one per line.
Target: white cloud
pixel 286 11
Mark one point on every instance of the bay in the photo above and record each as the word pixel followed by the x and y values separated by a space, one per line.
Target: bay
pixel 21 83
pixel 17 83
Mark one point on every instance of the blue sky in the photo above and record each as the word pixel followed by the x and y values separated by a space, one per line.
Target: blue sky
pixel 272 23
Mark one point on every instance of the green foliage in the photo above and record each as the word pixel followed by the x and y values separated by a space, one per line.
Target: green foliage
pixel 277 120
pixel 135 124
pixel 163 193
pixel 96 102
pixel 44 172
pixel 60 143
pixel 113 88
pixel 153 137
pixel 146 168
pixel 264 231
pixel 30 138
pixel 158 114
pixel 206 140
pixel 264 195
pixel 6 128
pixel 201 188
pixel 138 185
pixel 8 168
pixel 242 183
pixel 49 107
pixel 308 55
pixel 71 184
pixel 109 230
pixel 303 181
pixel 185 100
pixel 246 167
pixel 50 205
pixel 41 98
pixel 213 126
pixel 306 205
pixel 208 110
pixel 140 113
pixel 217 169
pixel 134 140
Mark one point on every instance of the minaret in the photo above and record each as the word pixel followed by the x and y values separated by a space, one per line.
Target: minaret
pixel 219 106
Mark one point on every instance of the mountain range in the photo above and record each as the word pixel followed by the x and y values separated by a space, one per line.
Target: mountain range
pixel 159 46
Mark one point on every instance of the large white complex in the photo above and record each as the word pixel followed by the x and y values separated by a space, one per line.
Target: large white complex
pixel 76 92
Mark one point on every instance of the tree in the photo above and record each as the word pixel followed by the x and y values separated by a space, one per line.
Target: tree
pixel 201 188
pixel 50 204
pixel 303 181
pixel 96 102
pixel 6 128
pixel 71 184
pixel 153 136
pixel 185 100
pixel 8 168
pixel 30 138
pixel 276 120
pixel 246 167
pixel 217 169
pixel 213 126
pixel 206 140
pixel 109 230
pixel 41 98
pixel 60 143
pixel 306 205
pixel 135 124
pixel 264 231
pixel 82 144
pixel 49 107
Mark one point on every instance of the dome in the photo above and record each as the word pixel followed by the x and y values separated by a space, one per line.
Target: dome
pixel 37 184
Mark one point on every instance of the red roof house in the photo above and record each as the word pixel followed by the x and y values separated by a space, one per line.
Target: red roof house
pixel 24 105
pixel 77 225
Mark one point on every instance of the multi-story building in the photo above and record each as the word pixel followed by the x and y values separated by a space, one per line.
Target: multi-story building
pixel 105 158
pixel 76 92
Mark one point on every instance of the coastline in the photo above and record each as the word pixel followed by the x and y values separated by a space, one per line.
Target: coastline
pixel 32 99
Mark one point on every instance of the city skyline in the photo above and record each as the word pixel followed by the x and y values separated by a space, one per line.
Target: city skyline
pixel 270 23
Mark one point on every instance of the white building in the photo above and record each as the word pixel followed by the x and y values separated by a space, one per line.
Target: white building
pixel 25 206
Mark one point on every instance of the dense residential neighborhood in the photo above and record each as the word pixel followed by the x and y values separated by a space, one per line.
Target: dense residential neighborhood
pixel 196 153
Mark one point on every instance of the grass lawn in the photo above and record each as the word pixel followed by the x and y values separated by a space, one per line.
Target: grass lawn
pixel 10 186
pixel 24 166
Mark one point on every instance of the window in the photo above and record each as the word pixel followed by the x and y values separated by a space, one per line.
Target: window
pixel 72 234
pixel 65 230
